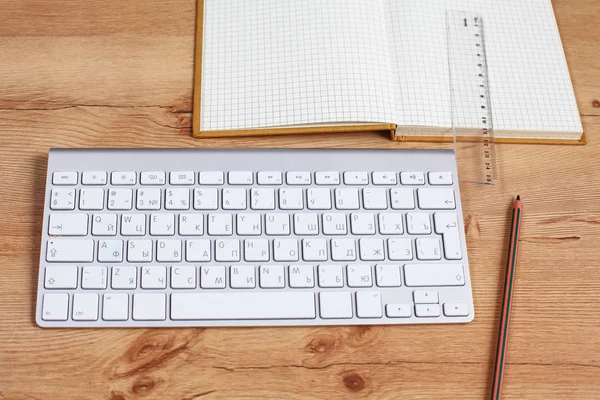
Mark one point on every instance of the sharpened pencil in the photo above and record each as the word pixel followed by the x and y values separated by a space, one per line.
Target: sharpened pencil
pixel 511 263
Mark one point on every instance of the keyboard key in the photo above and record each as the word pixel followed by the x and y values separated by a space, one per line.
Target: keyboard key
pixel 388 275
pixel 242 277
pixel 154 277
pixel 285 250
pixel 133 224
pixel 60 277
pixel 249 224
pixel 291 199
pixel 384 178
pixel 427 310
pixel 70 250
pixel 262 199
pixel 390 224
pixel 153 178
pixel 205 199
pixel 335 305
pixel 436 198
pixel 148 199
pixel 368 304
pixel 110 251
pixel 271 276
pixel 456 310
pixel 359 275
pixel 91 199
pixel 400 249
pixel 298 178
pixel 212 277
pixel 183 277
pixel 371 249
pixel 346 199
pixel 398 310
pixel 64 178
pixel 330 276
pixel 55 307
pixel 211 178
pixel 318 199
pixel 62 199
pixel 104 224
pixel 334 224
pixel 120 199
pixel 269 178
pixel 374 199
pixel 162 224
pixel 446 224
pixel 402 198
pixel 314 249
pixel 425 297
pixel 94 277
pixel 256 250
pixel 94 178
pixel 85 307
pixel 197 250
pixel 177 199
pixel 327 178
pixel 306 224
pixel 240 178
pixel 412 178
pixel 168 250
pixel 428 249
pixel 220 224
pixel 362 223
pixel 234 199
pixel 343 250
pixel 227 250
pixel 277 224
pixel 118 178
pixel 75 224
pixel 149 306
pixel 115 307
pixel 418 223
pixel 356 178
pixel 301 276
pixel 181 178
pixel 232 306
pixel 440 178
pixel 434 275
pixel 139 250
pixel 191 224
pixel 124 277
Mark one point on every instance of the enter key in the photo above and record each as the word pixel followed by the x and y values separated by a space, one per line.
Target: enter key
pixel 446 224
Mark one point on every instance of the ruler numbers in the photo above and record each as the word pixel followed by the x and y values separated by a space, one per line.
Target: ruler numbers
pixel 486 117
pixel 469 83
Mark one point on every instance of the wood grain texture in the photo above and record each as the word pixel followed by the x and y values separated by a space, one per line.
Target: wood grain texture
pixel 119 74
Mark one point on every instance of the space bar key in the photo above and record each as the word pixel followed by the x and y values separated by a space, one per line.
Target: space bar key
pixel 235 306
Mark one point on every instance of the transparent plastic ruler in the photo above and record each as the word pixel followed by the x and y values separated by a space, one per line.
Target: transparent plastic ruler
pixel 470 98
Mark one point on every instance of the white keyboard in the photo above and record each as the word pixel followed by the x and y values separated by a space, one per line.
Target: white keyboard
pixel 152 238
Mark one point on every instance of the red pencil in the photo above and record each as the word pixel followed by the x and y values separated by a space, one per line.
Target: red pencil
pixel 511 263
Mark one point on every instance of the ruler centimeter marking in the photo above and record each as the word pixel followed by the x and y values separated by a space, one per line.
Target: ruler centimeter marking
pixel 469 78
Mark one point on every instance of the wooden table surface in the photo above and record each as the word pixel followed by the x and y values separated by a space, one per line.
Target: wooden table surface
pixel 107 73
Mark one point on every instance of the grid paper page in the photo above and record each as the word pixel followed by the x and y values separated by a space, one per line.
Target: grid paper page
pixel 269 63
pixel 530 86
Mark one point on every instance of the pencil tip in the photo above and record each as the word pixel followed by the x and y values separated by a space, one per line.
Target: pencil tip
pixel 518 197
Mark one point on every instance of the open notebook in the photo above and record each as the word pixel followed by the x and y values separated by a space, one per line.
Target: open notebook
pixel 278 66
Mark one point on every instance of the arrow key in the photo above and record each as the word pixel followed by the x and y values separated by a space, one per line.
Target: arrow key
pixel 425 296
